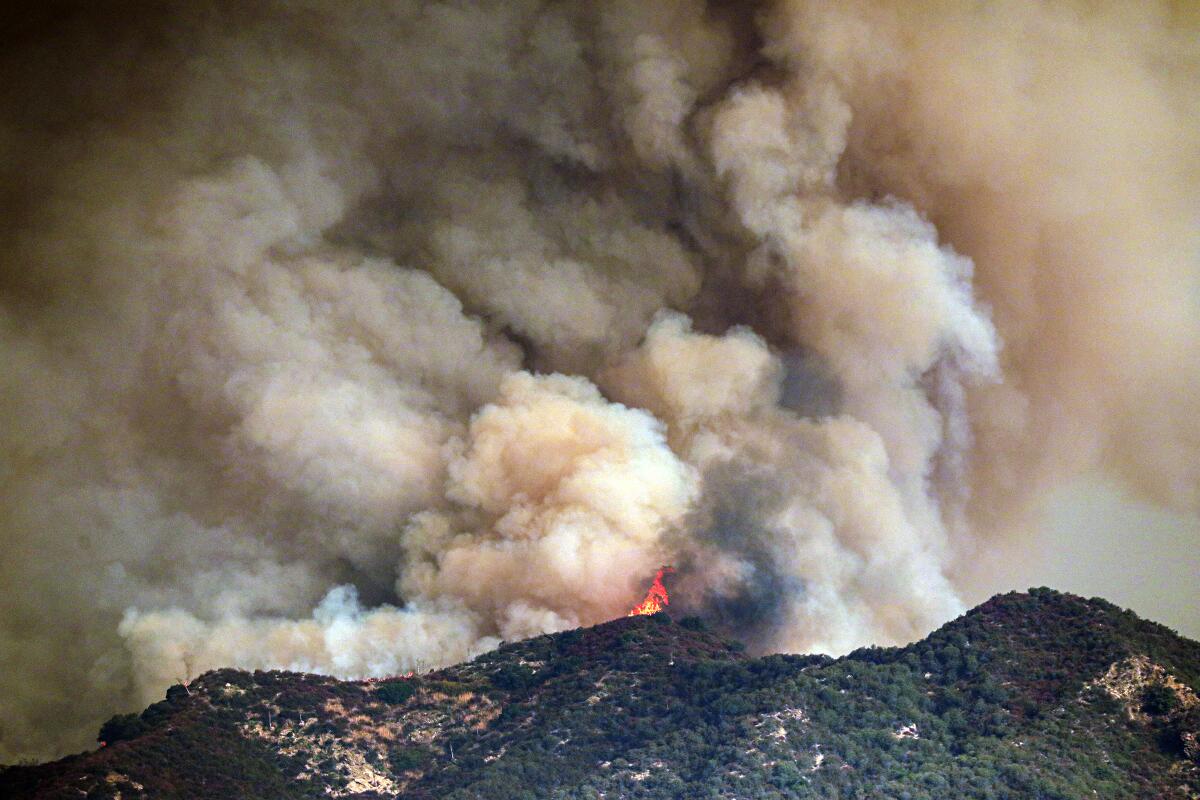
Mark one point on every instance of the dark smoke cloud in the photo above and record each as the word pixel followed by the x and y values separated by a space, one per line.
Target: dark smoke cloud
pixel 359 337
pixel 751 601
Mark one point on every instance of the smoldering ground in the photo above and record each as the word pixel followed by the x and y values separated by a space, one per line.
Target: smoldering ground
pixel 357 337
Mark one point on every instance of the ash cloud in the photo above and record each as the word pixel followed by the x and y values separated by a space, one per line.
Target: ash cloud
pixel 358 339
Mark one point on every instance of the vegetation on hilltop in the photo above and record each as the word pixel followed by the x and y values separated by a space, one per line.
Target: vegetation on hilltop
pixel 1037 695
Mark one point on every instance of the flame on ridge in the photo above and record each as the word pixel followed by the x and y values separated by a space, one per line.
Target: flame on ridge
pixel 656 598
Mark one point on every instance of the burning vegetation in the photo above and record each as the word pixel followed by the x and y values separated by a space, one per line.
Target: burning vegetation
pixel 1027 696
pixel 656 597
pixel 358 338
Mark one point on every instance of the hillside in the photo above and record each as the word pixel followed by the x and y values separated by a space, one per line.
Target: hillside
pixel 1038 695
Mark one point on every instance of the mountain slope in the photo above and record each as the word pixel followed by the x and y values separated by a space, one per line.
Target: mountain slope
pixel 1027 696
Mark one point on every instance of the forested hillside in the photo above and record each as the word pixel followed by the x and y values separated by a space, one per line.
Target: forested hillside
pixel 1038 695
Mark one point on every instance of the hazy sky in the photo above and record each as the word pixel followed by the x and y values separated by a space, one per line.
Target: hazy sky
pixel 1096 539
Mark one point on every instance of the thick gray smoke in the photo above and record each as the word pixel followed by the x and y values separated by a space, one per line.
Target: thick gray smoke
pixel 357 337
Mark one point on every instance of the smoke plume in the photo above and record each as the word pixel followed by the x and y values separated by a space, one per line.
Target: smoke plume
pixel 356 338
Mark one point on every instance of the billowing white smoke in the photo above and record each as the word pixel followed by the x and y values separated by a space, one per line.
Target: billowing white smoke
pixel 357 339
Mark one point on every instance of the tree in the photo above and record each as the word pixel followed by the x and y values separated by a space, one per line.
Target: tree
pixel 120 728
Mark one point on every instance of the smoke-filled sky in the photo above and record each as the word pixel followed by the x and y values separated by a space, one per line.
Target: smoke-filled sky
pixel 359 337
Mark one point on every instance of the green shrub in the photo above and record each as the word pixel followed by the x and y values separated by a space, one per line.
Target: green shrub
pixel 395 692
pixel 1158 700
pixel 402 759
pixel 513 677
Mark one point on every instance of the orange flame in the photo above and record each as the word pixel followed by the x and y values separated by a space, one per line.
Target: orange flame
pixel 656 599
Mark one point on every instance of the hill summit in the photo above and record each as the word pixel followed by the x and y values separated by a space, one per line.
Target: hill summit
pixel 1030 695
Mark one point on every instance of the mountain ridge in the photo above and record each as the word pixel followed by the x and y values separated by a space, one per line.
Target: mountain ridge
pixel 1036 694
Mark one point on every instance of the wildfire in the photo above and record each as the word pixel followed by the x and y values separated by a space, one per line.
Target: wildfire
pixel 656 599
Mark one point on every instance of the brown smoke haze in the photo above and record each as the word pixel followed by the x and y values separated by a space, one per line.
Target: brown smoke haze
pixel 359 337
